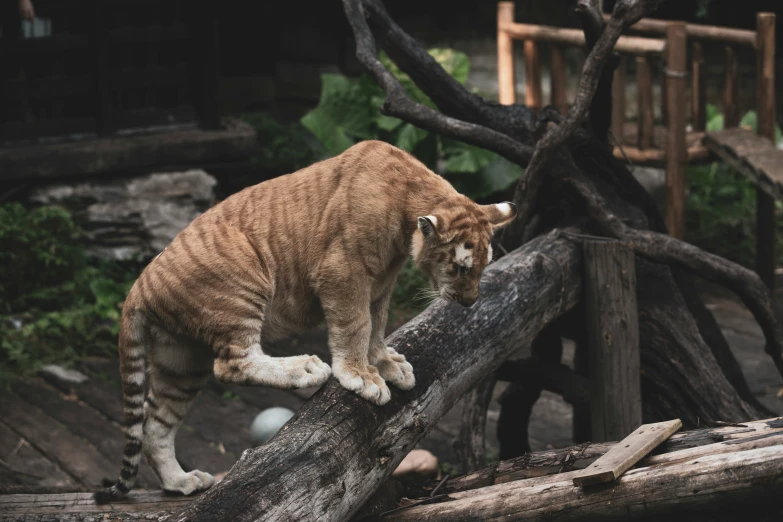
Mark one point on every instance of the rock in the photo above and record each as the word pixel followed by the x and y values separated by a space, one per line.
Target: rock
pixel 63 374
pixel 133 218
pixel 417 466
pixel 269 422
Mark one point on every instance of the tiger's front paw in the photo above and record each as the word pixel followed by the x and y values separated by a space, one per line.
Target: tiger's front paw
pixel 367 383
pixel 396 370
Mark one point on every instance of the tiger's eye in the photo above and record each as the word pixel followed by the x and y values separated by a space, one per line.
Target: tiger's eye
pixel 468 245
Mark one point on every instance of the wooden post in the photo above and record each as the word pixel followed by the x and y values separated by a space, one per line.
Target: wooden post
pixel 676 147
pixel 765 101
pixel 618 101
pixel 731 90
pixel 558 79
pixel 532 76
pixel 646 123
pixel 506 82
pixel 100 48
pixel 613 339
pixel 698 88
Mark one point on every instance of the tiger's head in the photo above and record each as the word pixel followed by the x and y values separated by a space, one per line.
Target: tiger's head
pixel 452 246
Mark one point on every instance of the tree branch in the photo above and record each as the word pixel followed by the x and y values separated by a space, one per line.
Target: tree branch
pixel 626 13
pixel 516 121
pixel 400 105
pixel 746 284
pixel 469 445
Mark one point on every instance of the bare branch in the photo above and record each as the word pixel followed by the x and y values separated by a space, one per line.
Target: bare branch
pixel 517 121
pixel 626 13
pixel 666 249
pixel 400 105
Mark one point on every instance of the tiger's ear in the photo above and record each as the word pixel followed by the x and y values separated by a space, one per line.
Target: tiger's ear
pixel 500 214
pixel 428 226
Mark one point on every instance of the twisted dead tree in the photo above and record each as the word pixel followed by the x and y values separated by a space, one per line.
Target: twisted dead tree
pixel 338 449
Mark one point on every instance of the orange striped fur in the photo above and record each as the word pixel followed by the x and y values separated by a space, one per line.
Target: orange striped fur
pixel 322 244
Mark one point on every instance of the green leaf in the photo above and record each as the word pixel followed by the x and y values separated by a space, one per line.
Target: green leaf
pixel 455 63
pixel 344 113
pixel 463 158
pixel 410 136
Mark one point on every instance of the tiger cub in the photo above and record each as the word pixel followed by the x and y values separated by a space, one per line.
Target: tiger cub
pixel 323 243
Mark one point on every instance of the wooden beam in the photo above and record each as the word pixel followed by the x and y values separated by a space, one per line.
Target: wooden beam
pixel 731 117
pixel 698 88
pixel 506 77
pixel 765 98
pixel 618 101
pixel 628 452
pixel 676 148
pixel 697 31
pixel 558 79
pixel 576 37
pixel 532 76
pixel 613 339
pixel 644 88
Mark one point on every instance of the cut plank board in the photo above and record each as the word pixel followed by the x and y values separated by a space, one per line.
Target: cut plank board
pixel 136 501
pixel 754 156
pixel 626 453
pixel 75 456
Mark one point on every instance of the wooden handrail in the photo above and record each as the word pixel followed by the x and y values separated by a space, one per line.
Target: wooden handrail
pixel 626 44
pixel 698 31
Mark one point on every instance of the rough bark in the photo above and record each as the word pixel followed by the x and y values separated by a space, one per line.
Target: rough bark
pixel 339 448
pixel 719 487
pixel 469 445
pixel 681 445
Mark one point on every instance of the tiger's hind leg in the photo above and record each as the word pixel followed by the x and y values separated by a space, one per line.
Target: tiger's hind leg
pixel 177 375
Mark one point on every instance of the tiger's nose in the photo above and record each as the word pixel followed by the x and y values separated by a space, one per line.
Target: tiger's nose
pixel 468 301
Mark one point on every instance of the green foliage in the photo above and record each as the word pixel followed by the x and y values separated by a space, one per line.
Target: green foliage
pixel 749 120
pixel 285 148
pixel 721 204
pixel 349 110
pixel 55 306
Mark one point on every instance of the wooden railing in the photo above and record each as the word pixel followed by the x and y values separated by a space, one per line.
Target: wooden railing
pixel 670 43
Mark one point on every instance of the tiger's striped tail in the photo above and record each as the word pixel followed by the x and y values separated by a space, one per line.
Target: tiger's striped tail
pixel 132 368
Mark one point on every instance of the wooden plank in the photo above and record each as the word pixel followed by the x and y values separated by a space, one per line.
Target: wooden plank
pixel 676 147
pixel 740 142
pixel 731 90
pixel 618 101
pixel 715 488
pixel 759 178
pixel 765 98
pixel 81 420
pixel 576 37
pixel 698 88
pixel 532 76
pixel 627 453
pixel 644 88
pixel 74 455
pixel 612 339
pixel 136 501
pixel 506 77
pixel 696 31
pixel 18 454
pixel 558 79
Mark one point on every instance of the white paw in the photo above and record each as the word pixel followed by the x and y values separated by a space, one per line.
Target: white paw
pixel 397 371
pixel 310 371
pixel 367 384
pixel 189 483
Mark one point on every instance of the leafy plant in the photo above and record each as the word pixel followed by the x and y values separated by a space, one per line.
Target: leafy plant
pixel 721 204
pixel 349 110
pixel 55 306
pixel 285 148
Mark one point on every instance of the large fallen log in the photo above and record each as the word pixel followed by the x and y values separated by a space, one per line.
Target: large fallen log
pixel 328 460
pixel 713 482
pixel 536 469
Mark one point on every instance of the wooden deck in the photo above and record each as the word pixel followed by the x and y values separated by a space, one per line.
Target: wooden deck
pixel 752 155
